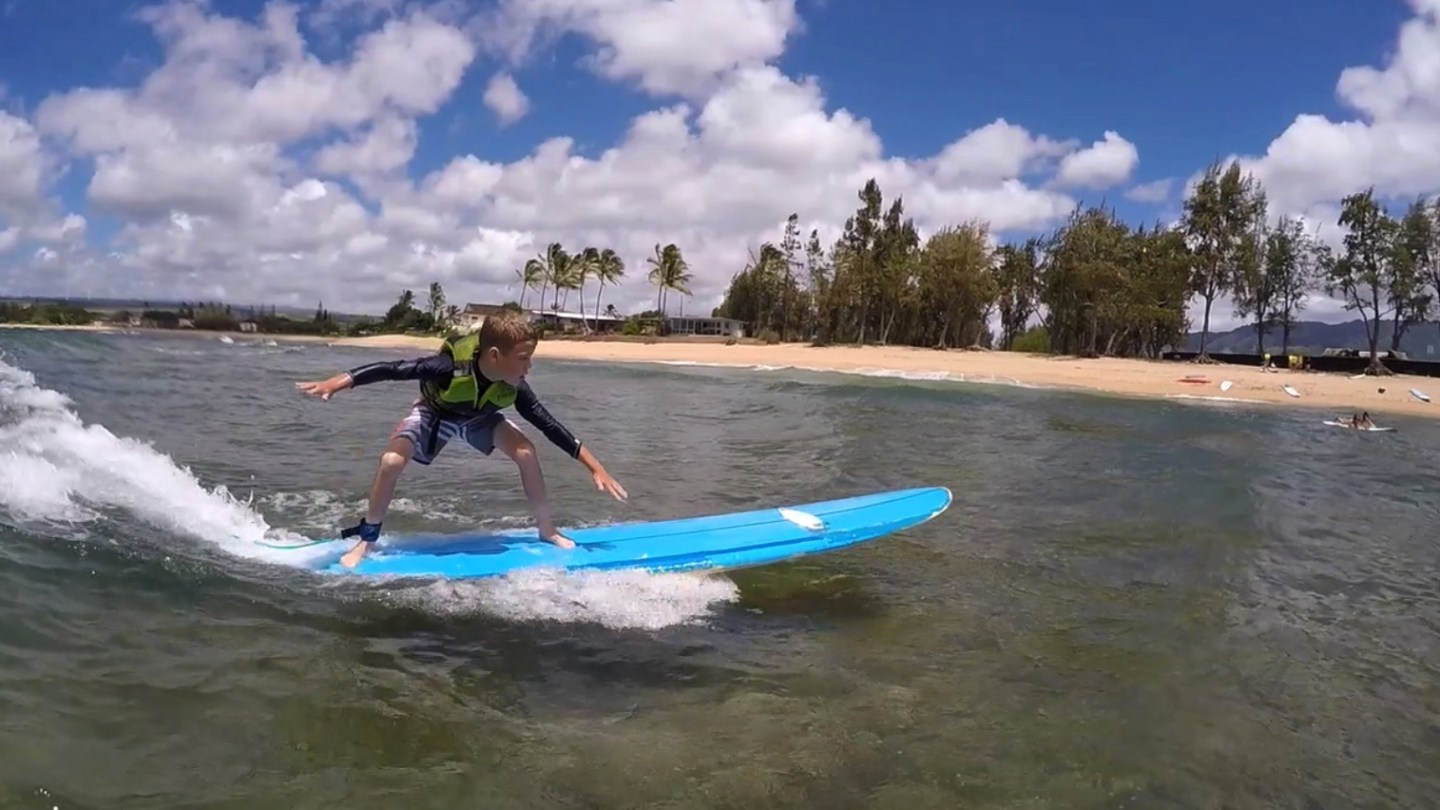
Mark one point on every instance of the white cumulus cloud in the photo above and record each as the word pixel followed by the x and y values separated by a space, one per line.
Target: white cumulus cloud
pixel 27 209
pixel 1153 192
pixel 1100 165
pixel 504 98
pixel 664 46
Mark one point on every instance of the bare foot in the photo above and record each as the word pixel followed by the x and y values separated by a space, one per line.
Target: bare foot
pixel 353 556
pixel 560 540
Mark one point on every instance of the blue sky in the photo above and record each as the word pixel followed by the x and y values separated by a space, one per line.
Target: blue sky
pixel 1183 83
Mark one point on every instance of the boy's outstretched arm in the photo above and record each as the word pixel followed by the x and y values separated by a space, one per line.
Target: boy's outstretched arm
pixel 434 367
pixel 528 406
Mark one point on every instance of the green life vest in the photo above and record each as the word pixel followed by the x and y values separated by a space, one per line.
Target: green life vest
pixel 463 395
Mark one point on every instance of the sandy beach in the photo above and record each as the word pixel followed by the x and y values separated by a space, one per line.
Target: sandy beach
pixel 1152 379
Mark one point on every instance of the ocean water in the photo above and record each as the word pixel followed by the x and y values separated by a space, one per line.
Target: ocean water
pixel 1129 605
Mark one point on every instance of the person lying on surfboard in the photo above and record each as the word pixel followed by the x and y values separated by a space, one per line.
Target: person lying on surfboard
pixel 463 389
pixel 1360 421
pixel 1357 421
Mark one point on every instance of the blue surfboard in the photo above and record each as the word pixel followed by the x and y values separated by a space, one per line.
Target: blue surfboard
pixel 714 542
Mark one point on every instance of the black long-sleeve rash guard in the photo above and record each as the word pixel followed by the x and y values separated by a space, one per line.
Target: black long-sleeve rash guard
pixel 439 368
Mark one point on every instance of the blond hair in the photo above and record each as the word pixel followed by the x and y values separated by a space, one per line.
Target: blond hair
pixel 505 330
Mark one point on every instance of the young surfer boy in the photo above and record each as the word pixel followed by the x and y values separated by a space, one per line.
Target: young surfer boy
pixel 463 389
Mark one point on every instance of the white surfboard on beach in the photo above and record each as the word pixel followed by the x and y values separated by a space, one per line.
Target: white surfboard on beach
pixel 1290 390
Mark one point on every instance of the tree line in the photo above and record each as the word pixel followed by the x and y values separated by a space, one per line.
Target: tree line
pixel 1094 285
pixel 558 271
pixel 203 316
pixel 45 313
pixel 221 317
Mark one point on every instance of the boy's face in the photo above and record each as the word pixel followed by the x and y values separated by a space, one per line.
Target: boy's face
pixel 512 366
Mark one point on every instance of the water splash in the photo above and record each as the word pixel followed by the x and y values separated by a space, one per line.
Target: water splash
pixel 615 599
pixel 54 468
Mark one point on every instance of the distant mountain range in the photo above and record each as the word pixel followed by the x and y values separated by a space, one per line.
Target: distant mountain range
pixel 1421 341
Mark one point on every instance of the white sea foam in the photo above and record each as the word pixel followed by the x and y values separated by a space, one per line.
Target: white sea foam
pixel 57 468
pixel 1201 398
pixel 618 599
pixel 933 375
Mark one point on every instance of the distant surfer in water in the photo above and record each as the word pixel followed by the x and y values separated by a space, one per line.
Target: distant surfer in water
pixel 463 389
pixel 1360 421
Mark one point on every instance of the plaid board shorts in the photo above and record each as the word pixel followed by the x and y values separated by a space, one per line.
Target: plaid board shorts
pixel 429 431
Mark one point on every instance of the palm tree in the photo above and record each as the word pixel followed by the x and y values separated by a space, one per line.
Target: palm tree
pixel 585 265
pixel 668 271
pixel 565 270
pixel 552 265
pixel 609 269
pixel 657 277
pixel 397 313
pixel 437 301
pixel 531 275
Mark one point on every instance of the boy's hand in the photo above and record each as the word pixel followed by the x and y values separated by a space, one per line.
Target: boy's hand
pixel 325 389
pixel 603 480
pixel 605 483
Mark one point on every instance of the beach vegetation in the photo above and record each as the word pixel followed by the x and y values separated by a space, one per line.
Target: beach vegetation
pixel 1095 285
pixel 1367 274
